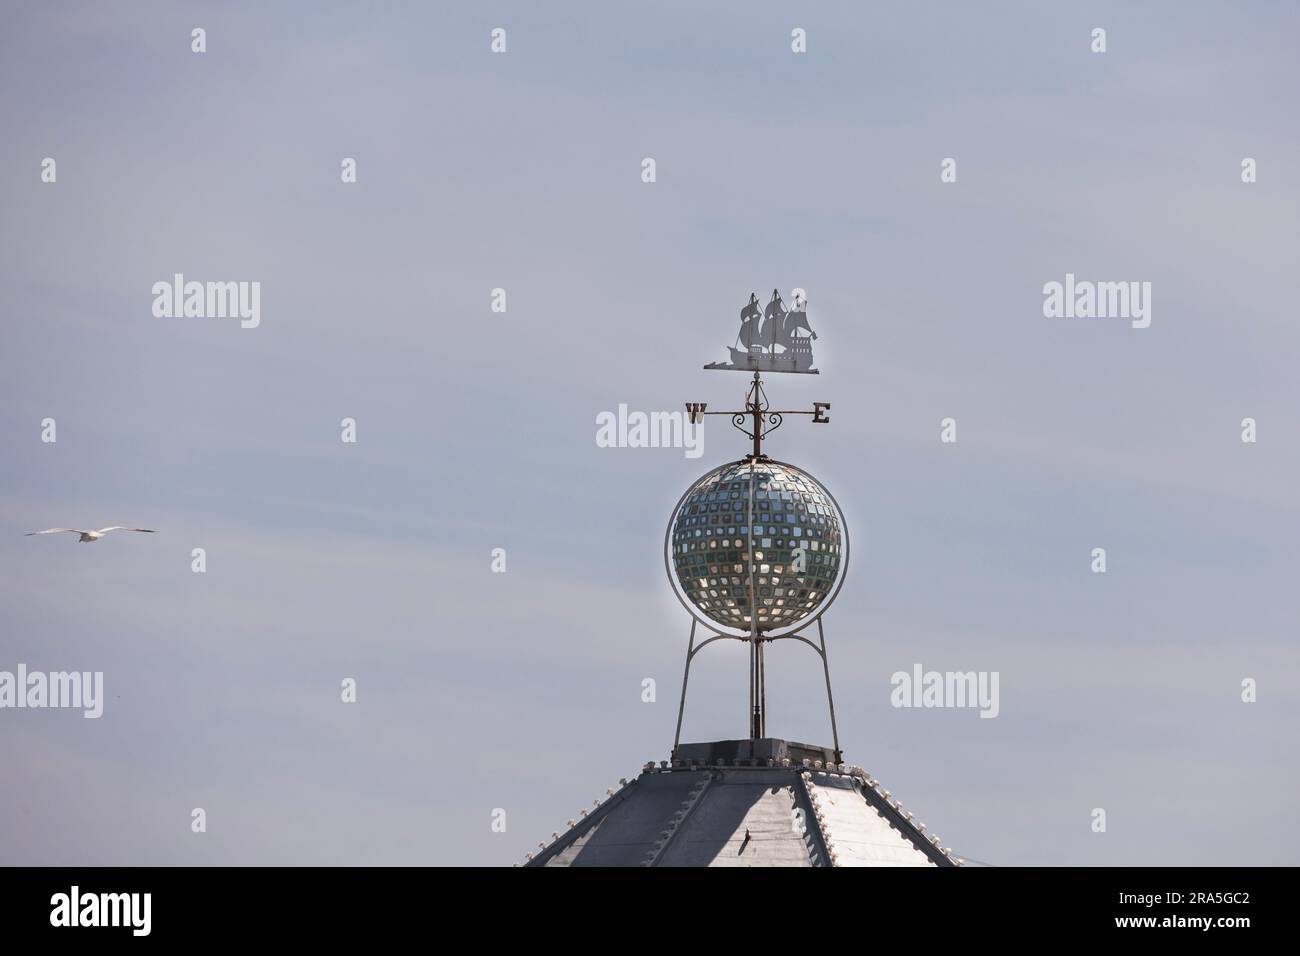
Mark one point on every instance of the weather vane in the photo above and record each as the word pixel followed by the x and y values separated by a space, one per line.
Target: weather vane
pixel 757 549
pixel 778 327
pixel 771 343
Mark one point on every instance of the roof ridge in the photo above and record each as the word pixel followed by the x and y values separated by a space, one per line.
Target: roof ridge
pixel 675 822
pixel 571 835
pixel 901 819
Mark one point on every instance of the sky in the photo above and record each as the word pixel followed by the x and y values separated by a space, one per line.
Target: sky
pixel 476 430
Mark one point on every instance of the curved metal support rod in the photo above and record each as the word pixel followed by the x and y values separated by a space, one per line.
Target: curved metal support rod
pixel 715 637
pixel 826 668
pixel 757 684
pixel 691 650
pixel 796 637
pixel 826 672
pixel 681 707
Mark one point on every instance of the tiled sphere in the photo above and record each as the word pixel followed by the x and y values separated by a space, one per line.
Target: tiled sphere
pixel 709 542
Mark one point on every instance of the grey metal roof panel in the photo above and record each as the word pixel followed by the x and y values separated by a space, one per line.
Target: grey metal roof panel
pixel 746 816
pixel 743 818
pixel 625 829
pixel 856 832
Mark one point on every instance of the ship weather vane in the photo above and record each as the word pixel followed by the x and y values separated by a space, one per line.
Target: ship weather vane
pixel 757 549
pixel 770 342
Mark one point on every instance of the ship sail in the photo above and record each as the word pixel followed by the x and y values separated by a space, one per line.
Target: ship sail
pixel 796 318
pixel 749 323
pixel 773 319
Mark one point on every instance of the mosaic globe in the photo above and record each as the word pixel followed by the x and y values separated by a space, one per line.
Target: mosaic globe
pixel 798 540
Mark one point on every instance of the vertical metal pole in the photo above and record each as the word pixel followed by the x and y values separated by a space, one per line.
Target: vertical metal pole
pixel 753 597
pixel 762 691
pixel 752 646
pixel 826 669
pixel 681 707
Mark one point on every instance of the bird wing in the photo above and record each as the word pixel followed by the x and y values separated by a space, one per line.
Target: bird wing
pixel 54 531
pixel 118 527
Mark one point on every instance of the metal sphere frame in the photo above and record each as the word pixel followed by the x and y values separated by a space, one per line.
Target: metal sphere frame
pixel 724 630
pixel 757 637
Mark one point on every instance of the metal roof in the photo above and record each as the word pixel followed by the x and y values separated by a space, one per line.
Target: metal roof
pixel 746 813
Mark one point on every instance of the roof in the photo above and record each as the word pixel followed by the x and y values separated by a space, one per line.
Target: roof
pixel 746 813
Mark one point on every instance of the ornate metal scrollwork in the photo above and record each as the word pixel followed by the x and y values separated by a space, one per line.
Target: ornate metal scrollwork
pixel 756 409
pixel 774 420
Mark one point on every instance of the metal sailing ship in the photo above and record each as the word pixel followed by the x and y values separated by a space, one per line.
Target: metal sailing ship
pixel 773 339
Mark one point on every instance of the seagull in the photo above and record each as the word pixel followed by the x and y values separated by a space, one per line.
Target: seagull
pixel 89 536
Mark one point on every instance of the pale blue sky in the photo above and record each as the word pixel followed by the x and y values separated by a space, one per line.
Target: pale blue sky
pixel 477 430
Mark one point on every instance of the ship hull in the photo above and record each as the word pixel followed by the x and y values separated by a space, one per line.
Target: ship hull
pixel 791 360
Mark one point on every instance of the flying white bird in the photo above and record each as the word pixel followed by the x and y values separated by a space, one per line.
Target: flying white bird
pixel 89 536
